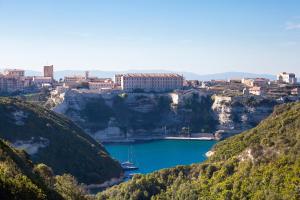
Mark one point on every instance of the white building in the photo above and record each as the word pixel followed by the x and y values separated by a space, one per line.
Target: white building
pixel 256 91
pixel 118 78
pixel 41 80
pixel 289 78
pixel 151 82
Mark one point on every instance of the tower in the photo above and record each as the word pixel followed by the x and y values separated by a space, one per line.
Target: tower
pixel 48 71
pixel 87 75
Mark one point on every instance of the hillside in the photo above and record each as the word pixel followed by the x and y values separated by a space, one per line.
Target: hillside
pixel 56 141
pixel 262 163
pixel 17 177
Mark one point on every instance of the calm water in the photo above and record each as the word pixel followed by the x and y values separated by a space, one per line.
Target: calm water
pixel 154 155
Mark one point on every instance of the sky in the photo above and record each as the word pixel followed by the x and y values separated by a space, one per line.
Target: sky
pixel 200 36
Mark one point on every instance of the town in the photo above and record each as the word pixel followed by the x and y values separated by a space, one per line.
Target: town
pixel 14 81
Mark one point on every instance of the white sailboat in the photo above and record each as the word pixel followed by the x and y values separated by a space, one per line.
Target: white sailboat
pixel 127 165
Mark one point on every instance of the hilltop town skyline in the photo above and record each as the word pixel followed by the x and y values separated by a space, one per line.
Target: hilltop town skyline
pixel 203 37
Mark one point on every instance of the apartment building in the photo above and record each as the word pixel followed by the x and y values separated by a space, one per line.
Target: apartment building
pixel 158 82
pixel 289 78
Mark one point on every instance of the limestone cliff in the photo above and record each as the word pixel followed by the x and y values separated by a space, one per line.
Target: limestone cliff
pixel 136 115
pixel 239 113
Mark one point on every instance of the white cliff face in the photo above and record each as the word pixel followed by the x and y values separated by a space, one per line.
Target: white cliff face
pixel 118 115
pixel 33 145
pixel 223 110
pixel 236 114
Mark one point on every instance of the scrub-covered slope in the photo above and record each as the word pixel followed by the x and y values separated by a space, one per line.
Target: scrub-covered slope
pixel 262 163
pixel 18 179
pixel 56 141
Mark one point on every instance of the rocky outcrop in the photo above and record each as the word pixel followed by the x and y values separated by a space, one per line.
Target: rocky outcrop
pixel 239 113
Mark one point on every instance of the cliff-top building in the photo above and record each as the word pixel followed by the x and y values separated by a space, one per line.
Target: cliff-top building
pixel 48 71
pixel 157 82
pixel 14 72
pixel 289 78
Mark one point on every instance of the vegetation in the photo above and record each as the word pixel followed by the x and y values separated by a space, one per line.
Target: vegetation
pixel 67 149
pixel 18 179
pixel 21 179
pixel 262 163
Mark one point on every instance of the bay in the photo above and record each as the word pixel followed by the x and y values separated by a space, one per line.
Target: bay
pixel 159 154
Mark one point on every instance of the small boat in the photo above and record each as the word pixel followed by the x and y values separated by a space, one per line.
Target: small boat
pixel 128 166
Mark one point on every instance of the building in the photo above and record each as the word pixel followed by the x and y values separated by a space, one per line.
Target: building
pixel 41 80
pixel 87 73
pixel 99 85
pixel 14 72
pixel 234 80
pixel 72 79
pixel 10 84
pixel 295 91
pixel 48 71
pixel 157 82
pixel 256 90
pixel 258 82
pixel 118 79
pixel 289 78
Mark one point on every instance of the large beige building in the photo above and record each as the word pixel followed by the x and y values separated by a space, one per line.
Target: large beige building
pixel 48 71
pixel 158 82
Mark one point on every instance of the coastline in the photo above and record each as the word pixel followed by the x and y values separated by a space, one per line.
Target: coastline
pixel 153 138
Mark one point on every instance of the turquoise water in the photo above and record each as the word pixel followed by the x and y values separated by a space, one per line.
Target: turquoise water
pixel 155 155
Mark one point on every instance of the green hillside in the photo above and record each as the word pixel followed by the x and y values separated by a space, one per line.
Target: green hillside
pixel 262 163
pixel 56 141
pixel 18 179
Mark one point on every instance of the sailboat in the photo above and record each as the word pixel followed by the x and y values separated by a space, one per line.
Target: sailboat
pixel 127 165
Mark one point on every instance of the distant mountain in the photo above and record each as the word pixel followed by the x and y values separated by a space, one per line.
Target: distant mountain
pixel 228 75
pixel 187 75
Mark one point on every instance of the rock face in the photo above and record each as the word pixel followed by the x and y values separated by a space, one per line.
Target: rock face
pixel 136 115
pixel 239 113
pixel 52 139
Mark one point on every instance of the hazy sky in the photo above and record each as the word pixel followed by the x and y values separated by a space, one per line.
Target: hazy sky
pixel 202 36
